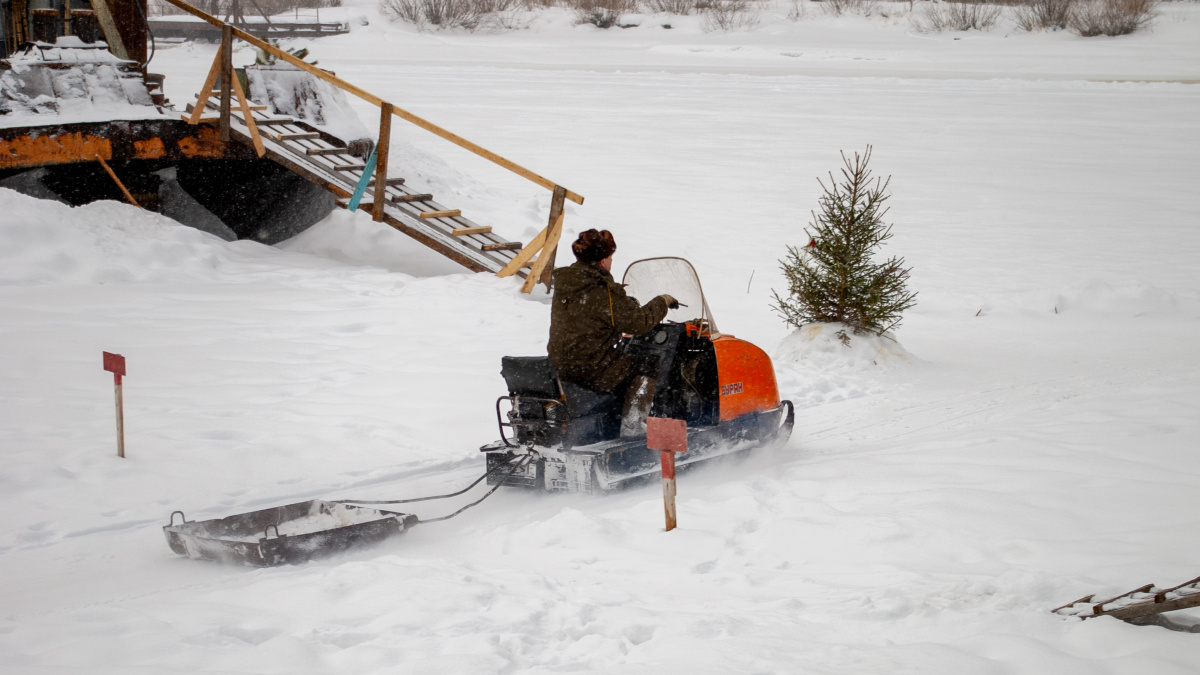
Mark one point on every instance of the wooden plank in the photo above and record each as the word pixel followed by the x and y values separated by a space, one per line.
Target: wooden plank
pixel 348 167
pixel 226 52
pixel 277 120
pixel 548 251
pixel 506 246
pixel 109 27
pixel 1149 608
pixel 411 198
pixel 327 151
pixel 395 182
pixel 116 180
pixel 378 102
pixel 206 90
pixel 450 253
pixel 1098 608
pixel 1085 598
pixel 466 231
pixel 556 215
pixel 256 108
pixel 202 120
pixel 483 152
pixel 294 136
pixel 381 160
pixel 363 205
pixel 448 213
pixel 519 260
pixel 248 117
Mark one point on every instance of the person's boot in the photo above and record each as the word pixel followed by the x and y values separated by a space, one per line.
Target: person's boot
pixel 638 398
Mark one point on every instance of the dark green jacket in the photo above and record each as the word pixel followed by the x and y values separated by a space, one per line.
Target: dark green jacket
pixel 588 314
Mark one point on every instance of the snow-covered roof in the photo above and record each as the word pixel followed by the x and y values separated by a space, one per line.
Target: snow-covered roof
pixel 71 81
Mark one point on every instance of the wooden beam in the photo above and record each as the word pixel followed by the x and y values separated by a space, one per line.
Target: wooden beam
pixel 395 181
pixel 506 246
pixel 226 52
pixel 302 136
pixel 256 108
pixel 381 159
pixel 202 120
pixel 248 116
pixel 1138 610
pixel 109 27
pixel 548 251
pixel 483 152
pixel 349 167
pixel 411 198
pixel 277 120
pixel 375 100
pixel 466 231
pixel 556 215
pixel 526 253
pixel 448 213
pixel 327 151
pixel 117 181
pixel 206 91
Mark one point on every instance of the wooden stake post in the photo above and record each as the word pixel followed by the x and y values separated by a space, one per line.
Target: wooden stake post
pixel 227 75
pixel 381 159
pixel 668 436
pixel 115 364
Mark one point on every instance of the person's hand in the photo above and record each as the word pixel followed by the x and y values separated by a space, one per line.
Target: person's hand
pixel 672 303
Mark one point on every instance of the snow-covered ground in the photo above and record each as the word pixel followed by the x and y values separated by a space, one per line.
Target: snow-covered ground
pixel 1034 441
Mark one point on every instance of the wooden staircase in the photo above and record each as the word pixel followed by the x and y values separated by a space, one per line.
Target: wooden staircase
pixel 326 161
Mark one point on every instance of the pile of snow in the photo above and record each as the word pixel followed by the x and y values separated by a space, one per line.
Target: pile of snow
pixel 354 238
pixel 289 91
pixel 822 346
pixel 106 242
pixel 924 517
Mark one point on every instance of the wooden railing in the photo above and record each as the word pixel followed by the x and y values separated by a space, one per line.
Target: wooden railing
pixel 546 241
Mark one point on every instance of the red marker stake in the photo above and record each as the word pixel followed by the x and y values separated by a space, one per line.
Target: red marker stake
pixel 115 364
pixel 668 436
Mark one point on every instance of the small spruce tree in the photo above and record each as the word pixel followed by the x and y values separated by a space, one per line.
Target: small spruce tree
pixel 833 278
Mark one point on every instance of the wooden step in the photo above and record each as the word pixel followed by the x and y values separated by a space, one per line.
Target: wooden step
pixel 392 182
pixel 410 198
pixel 303 136
pixel 277 120
pixel 506 246
pixel 448 213
pixel 216 96
pixel 364 204
pixel 465 231
pixel 350 167
pixel 327 151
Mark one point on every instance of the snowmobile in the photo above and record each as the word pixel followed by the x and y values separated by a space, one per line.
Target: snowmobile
pixel 569 437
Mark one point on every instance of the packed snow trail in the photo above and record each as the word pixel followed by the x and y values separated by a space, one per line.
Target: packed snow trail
pixel 1034 442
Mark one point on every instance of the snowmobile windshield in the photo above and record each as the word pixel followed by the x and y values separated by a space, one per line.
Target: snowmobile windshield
pixel 651 277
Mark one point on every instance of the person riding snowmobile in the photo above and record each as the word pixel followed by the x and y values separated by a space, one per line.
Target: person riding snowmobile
pixel 589 314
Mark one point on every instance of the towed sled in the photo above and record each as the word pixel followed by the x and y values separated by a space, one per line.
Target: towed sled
pixel 722 387
pixel 288 534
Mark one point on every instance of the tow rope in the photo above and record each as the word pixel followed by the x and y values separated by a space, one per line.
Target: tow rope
pixel 523 460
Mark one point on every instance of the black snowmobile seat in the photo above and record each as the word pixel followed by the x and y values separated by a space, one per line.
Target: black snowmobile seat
pixel 530 376
pixel 536 376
